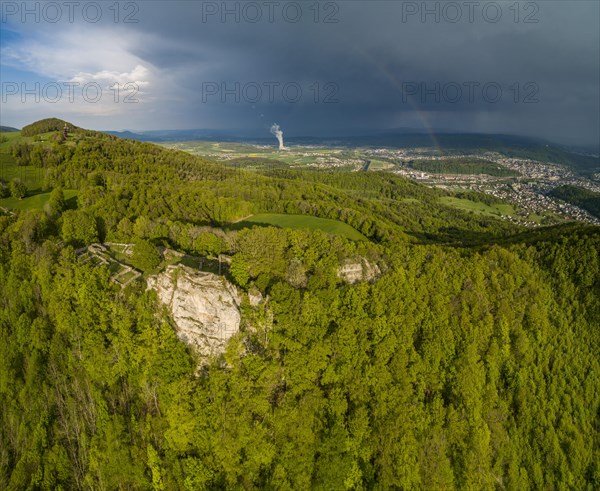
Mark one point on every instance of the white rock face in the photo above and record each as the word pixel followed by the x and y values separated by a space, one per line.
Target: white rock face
pixel 255 297
pixel 353 271
pixel 205 307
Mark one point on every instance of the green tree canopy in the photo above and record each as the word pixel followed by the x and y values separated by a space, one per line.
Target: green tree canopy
pixel 18 189
pixel 56 203
pixel 145 256
pixel 79 228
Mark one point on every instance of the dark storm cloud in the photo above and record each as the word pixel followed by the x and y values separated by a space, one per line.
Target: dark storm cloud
pixel 372 53
pixel 379 65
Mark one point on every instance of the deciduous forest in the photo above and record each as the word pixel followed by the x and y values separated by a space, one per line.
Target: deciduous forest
pixel 470 362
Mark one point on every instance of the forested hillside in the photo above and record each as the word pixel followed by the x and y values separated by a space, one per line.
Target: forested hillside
pixel 471 362
pixel 584 198
pixel 45 126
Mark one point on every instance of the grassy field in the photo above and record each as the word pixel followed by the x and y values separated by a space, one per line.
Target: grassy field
pixel 37 201
pixel 334 227
pixel 32 176
pixel 477 207
pixel 265 156
pixel 534 217
pixel 380 165
pixel 6 138
pixel 462 167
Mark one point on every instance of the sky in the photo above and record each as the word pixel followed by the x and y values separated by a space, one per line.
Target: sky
pixel 329 68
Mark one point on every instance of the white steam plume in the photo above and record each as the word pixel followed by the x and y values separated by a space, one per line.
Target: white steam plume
pixel 276 130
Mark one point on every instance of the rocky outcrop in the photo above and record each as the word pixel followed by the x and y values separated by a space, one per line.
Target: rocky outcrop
pixel 254 297
pixel 359 269
pixel 204 306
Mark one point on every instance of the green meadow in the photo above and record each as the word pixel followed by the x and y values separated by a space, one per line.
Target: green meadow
pixel 334 227
pixel 37 201
pixel 478 207
pixel 33 177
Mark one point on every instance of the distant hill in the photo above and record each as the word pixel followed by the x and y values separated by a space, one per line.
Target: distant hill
pixel 128 134
pixel 45 126
pixel 446 143
pixel 184 135
pixel 8 129
pixel 508 145
pixel 584 198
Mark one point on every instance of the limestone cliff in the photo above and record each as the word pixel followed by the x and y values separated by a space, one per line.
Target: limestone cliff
pixel 204 306
pixel 359 269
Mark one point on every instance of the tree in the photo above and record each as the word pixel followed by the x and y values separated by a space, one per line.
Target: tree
pixel 21 152
pixel 142 227
pixel 239 270
pixel 208 244
pixel 145 256
pixel 124 229
pixel 97 179
pixel 18 189
pixel 79 228
pixel 56 203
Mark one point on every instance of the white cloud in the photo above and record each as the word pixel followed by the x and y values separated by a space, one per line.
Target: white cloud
pixel 105 78
pixel 139 75
pixel 63 54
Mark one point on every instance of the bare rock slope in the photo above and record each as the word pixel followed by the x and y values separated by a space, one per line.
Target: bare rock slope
pixel 204 306
pixel 358 269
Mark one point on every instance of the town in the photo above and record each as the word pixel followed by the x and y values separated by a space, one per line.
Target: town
pixel 524 183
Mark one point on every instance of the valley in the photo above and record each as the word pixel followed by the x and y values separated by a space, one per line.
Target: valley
pixel 525 183
pixel 304 319
pixel 297 246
